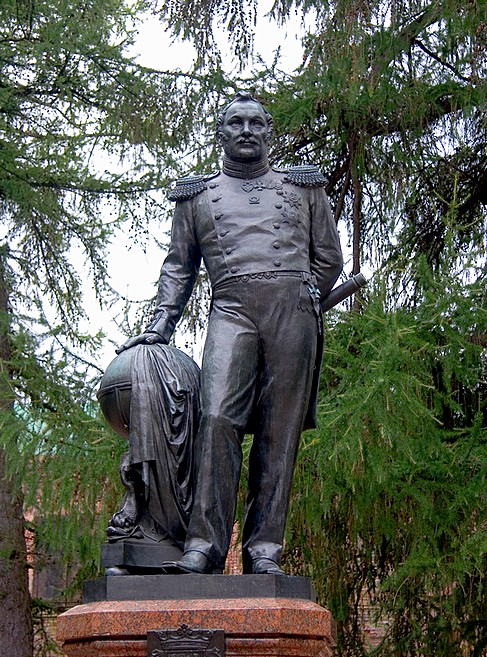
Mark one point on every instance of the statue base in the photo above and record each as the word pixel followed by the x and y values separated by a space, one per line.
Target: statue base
pixel 259 614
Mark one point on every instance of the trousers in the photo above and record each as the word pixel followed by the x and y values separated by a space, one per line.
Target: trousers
pixel 257 369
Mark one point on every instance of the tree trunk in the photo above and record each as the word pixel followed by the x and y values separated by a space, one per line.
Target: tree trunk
pixel 16 636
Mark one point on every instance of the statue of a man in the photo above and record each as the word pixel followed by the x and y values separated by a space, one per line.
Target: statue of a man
pixel 270 245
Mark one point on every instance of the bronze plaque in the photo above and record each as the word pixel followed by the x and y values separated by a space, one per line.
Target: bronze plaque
pixel 185 642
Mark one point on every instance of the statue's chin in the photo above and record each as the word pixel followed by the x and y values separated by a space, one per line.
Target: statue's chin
pixel 246 157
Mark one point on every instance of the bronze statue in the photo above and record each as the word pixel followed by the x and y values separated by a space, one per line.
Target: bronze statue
pixel 270 245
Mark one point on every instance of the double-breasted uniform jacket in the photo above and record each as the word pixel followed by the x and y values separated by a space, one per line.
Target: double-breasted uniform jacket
pixel 278 222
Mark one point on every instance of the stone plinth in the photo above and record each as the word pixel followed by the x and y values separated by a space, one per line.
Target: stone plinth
pixel 267 625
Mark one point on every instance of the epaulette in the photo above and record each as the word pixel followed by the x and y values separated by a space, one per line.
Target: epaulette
pixel 305 175
pixel 187 188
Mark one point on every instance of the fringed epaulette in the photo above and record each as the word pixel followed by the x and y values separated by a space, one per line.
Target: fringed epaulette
pixel 305 175
pixel 187 188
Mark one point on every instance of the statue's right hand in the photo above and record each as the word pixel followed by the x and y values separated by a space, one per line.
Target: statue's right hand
pixel 143 338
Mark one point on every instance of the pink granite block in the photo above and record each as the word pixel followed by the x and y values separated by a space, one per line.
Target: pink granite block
pixel 254 627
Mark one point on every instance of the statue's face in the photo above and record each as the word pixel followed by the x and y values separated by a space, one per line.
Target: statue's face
pixel 244 133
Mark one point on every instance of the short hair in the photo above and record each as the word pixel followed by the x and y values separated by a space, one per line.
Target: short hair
pixel 244 97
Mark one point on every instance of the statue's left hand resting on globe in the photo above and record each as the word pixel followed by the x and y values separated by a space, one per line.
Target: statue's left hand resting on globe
pixel 270 245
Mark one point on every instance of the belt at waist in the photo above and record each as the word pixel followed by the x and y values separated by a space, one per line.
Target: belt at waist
pixel 266 275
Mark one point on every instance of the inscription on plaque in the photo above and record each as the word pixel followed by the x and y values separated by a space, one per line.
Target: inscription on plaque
pixel 185 642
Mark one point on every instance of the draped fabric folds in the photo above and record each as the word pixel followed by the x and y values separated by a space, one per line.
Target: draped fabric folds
pixel 154 389
pixel 164 412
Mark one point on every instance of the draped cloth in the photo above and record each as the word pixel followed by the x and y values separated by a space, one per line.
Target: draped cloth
pixel 164 413
pixel 163 419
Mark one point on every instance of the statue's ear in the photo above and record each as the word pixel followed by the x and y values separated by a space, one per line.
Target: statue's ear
pixel 219 137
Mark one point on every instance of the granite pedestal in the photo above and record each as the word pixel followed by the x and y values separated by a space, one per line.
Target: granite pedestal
pixel 261 615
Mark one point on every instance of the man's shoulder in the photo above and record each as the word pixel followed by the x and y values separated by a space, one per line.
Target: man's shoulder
pixel 302 175
pixel 188 187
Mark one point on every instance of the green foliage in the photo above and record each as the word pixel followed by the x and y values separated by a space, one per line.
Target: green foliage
pixel 61 452
pixel 390 101
pixel 390 500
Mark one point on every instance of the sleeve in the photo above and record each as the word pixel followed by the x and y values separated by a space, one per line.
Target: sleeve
pixel 325 251
pixel 178 273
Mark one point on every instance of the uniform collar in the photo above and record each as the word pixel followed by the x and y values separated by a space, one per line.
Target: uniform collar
pixel 244 170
